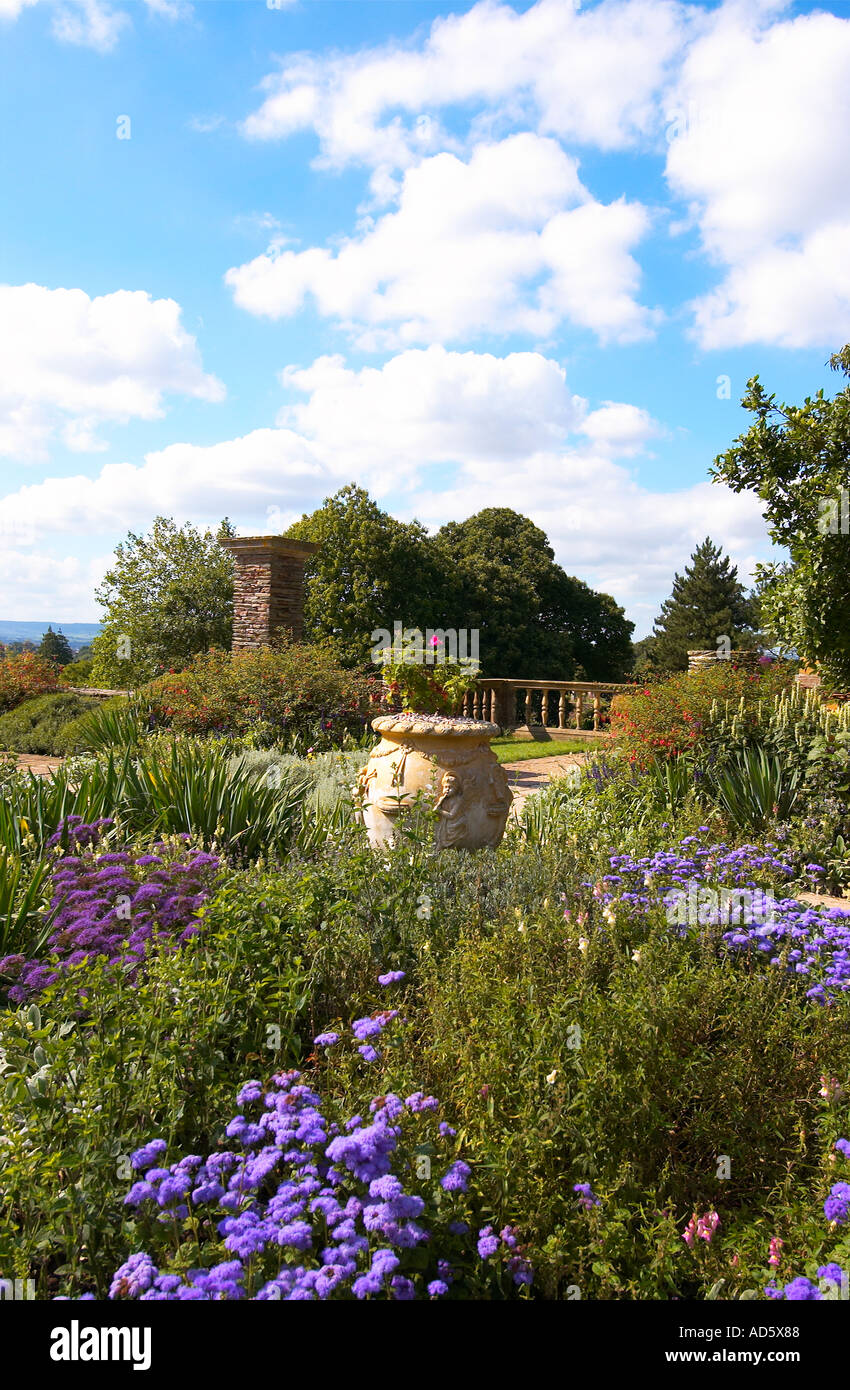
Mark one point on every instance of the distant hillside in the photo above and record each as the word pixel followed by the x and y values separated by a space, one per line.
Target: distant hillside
pixel 78 634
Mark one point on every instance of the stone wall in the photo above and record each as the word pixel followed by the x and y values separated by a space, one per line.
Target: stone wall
pixel 268 593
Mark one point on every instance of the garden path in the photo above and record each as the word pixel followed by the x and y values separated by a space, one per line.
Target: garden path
pixel 536 773
pixel 37 762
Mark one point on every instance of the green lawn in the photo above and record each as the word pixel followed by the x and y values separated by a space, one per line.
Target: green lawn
pixel 515 750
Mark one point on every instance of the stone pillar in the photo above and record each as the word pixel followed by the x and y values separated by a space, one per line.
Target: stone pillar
pixel 268 591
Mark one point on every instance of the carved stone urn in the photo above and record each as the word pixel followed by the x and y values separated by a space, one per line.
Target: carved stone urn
pixel 446 761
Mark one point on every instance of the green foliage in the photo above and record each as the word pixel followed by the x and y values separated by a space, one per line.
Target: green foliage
pixel 54 646
pixel 494 572
pixel 429 689
pixel 534 619
pixel 24 923
pixel 168 596
pixel 707 604
pixel 37 726
pixel 296 695
pixel 360 579
pixel 116 723
pixel 796 458
pixel 756 789
pixel 23 677
pixel 179 789
pixel 78 671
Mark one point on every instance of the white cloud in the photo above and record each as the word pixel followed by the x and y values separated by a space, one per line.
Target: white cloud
pixel 95 23
pixel 10 9
pixel 59 588
pixel 509 242
pixel 763 121
pixel 508 431
pixel 89 24
pixel 71 363
pixel 589 75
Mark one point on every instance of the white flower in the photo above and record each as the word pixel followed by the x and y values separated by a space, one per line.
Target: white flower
pixel 582 943
pixel 636 956
pixel 550 1079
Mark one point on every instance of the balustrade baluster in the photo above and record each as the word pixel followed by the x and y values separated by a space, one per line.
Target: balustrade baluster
pixel 544 718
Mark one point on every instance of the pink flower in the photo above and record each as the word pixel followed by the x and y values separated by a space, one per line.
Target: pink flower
pixel 775 1247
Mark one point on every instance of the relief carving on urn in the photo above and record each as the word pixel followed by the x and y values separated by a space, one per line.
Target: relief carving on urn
pixel 448 762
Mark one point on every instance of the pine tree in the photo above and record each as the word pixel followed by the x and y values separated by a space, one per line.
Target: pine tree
pixel 56 647
pixel 707 604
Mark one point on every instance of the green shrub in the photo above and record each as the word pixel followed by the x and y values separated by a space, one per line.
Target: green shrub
pixel 113 723
pixel 294 696
pixel 78 672
pixel 37 726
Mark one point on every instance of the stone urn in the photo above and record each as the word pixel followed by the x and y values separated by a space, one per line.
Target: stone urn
pixel 447 761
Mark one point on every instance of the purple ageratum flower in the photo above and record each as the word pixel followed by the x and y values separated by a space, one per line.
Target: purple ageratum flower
pixel 363 1028
pixel 834 1273
pixel 437 1288
pixel 326 1040
pixel 392 977
pixel 135 1276
pixel 146 1156
pixel 843 1147
pixel 587 1197
pixel 837 1205
pixel 802 1290
pixel 488 1244
pixel 456 1178
pixel 368 1052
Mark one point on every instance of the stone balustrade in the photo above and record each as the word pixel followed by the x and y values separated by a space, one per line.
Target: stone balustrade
pixel 557 706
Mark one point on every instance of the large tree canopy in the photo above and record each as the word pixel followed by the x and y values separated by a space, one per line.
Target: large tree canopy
pixel 797 459
pixel 369 572
pixel 707 604
pixel 494 572
pixel 168 596
pixel 533 619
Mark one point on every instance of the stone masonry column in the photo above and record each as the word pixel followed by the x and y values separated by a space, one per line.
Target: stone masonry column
pixel 268 592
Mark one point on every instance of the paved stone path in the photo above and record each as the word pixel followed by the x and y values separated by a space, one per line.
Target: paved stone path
pixel 38 763
pixel 534 774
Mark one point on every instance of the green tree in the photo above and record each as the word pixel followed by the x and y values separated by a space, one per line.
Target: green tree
pixel 708 603
pixel 369 572
pixel 797 460
pixel 167 596
pixel 534 619
pixel 56 647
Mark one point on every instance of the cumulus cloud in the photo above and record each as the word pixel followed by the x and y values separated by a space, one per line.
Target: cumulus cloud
pixel 505 430
pixel 72 363
pixel 589 75
pixel 761 121
pixel 510 241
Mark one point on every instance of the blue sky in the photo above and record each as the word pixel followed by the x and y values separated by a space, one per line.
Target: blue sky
pixel 465 255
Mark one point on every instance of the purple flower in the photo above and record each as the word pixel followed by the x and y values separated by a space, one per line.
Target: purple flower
pixel 456 1178
pixel 392 977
